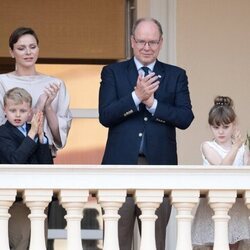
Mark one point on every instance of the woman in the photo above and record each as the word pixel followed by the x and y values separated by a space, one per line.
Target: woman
pixel 49 96
pixel 49 93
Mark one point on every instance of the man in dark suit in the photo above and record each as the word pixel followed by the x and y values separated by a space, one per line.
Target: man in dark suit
pixel 142 101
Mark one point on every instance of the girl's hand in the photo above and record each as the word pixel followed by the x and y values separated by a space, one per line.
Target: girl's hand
pixel 237 139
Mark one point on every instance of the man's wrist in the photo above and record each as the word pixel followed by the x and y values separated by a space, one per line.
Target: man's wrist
pixel 153 107
pixel 149 104
pixel 137 101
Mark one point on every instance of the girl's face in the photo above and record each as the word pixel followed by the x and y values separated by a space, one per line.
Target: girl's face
pixel 25 51
pixel 223 133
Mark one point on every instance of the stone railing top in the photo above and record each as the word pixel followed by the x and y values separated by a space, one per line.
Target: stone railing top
pixel 95 177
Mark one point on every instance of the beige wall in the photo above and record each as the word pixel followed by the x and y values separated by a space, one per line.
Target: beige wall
pixel 87 136
pixel 89 29
pixel 213 45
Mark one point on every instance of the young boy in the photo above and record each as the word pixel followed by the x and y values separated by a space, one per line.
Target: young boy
pixel 21 143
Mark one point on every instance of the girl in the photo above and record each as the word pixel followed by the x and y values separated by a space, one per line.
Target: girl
pixel 227 148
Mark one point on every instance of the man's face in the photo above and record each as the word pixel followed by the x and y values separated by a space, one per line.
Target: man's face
pixel 146 42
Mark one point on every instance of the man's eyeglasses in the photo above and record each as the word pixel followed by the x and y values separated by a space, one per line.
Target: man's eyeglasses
pixel 152 44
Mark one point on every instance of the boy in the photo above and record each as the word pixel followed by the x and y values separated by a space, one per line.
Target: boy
pixel 21 143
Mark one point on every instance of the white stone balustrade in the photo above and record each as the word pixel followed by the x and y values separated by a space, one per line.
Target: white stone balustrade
pixel 73 201
pixel 184 202
pixel 247 199
pixel 111 184
pixel 7 197
pixel 111 201
pixel 221 201
pixel 37 201
pixel 148 201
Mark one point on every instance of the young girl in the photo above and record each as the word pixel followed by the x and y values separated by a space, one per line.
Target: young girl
pixel 227 148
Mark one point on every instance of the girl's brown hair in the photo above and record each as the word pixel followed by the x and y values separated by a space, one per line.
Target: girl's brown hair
pixel 222 112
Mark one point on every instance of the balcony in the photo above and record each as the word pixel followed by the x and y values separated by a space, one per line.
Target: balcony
pixel 110 184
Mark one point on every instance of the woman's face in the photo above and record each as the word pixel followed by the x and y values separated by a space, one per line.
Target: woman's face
pixel 25 51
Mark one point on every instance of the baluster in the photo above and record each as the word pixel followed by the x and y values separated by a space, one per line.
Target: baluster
pixel 37 201
pixel 111 201
pixel 73 201
pixel 247 199
pixel 184 201
pixel 7 197
pixel 148 201
pixel 221 201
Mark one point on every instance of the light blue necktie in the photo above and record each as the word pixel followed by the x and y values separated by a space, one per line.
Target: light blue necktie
pixel 23 130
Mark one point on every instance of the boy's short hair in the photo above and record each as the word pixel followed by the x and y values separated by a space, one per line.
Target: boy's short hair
pixel 18 95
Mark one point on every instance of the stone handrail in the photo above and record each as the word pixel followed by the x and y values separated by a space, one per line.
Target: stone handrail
pixel 111 184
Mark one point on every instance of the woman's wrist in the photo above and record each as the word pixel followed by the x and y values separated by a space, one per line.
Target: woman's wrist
pixel 48 108
pixel 40 105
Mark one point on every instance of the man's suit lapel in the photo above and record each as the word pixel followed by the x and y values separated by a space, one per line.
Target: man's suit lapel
pixel 132 73
pixel 159 70
pixel 132 78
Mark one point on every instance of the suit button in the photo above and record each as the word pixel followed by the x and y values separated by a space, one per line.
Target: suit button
pixel 140 134
pixel 145 119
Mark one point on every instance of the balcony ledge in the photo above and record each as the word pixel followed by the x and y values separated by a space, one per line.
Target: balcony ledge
pixel 95 177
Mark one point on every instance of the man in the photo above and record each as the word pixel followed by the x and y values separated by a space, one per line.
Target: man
pixel 142 107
